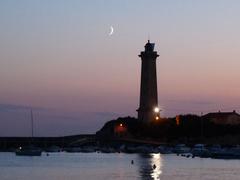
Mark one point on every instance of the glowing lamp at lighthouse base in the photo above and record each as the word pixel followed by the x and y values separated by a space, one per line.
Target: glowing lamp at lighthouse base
pixel 120 129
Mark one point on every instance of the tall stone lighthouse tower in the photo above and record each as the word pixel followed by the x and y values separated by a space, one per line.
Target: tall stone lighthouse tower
pixel 148 109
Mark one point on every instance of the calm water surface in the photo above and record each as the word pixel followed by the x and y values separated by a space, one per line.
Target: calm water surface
pixel 91 166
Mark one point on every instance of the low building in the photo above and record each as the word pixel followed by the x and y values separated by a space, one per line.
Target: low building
pixel 231 118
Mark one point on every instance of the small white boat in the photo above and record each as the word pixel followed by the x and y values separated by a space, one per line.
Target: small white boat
pixel 181 148
pixel 165 150
pixel 200 150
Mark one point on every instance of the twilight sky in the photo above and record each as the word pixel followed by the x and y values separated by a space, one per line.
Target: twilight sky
pixel 56 56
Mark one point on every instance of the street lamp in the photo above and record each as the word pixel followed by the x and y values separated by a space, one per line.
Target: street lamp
pixel 156 110
pixel 157 113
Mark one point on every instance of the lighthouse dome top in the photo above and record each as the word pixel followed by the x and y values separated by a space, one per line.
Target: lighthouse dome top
pixel 149 46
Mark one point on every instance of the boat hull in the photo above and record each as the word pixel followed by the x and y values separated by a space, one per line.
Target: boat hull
pixel 29 153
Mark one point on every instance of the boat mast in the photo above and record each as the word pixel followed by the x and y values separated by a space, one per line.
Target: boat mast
pixel 32 122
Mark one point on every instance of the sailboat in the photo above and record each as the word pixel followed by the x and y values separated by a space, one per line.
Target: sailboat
pixel 30 150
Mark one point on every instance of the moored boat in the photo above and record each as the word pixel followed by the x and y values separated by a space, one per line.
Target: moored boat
pixel 199 150
pixel 53 149
pixel 181 148
pixel 28 151
pixel 165 149
pixel 226 153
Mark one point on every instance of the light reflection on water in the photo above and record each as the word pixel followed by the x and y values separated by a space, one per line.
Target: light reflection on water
pixel 156 160
pixel 91 166
pixel 150 166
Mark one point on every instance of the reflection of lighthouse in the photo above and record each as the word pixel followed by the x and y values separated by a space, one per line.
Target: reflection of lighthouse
pixel 148 110
pixel 146 166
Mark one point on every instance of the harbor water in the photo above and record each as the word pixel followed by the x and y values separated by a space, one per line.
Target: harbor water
pixel 100 166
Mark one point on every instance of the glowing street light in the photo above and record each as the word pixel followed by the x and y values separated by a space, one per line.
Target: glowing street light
pixel 156 110
pixel 157 113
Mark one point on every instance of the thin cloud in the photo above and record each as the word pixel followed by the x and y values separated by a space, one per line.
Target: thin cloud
pixel 195 102
pixel 14 107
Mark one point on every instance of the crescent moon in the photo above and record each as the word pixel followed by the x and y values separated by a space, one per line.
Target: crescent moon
pixel 111 31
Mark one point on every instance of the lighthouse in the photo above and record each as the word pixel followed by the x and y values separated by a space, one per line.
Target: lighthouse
pixel 148 109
